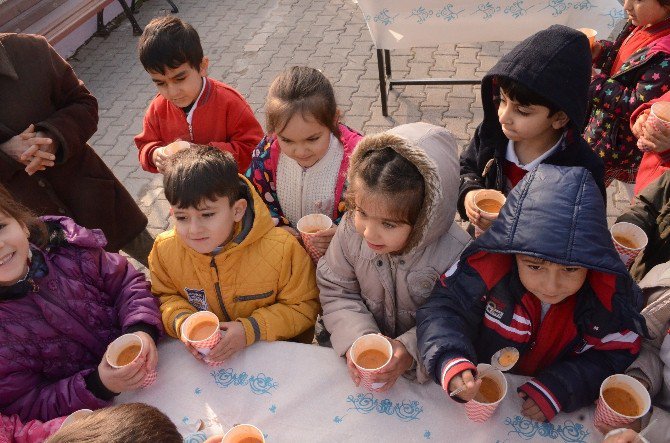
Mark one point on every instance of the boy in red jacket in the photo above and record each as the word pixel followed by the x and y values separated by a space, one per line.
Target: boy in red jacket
pixel 189 106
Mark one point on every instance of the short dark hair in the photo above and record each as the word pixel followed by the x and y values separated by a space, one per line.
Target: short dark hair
pixel 136 422
pixel 168 42
pixel 199 173
pixel 522 94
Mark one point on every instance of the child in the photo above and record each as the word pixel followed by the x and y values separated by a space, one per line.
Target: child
pixel 225 255
pixel 651 212
pixel 12 430
pixel 633 70
pixel 300 167
pixel 545 279
pixel 189 105
pixel 393 244
pixel 535 101
pixel 656 140
pixel 131 422
pixel 63 299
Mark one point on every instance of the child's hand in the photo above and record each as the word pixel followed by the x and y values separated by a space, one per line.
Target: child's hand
pixel 639 123
pixel 291 231
pixel 322 239
pixel 149 351
pixel 624 436
pixel 194 352
pixel 353 370
pixel 127 378
pixel 474 214
pixel 657 140
pixel 596 49
pixel 400 362
pixel 465 378
pixel 530 409
pixel 159 157
pixel 234 340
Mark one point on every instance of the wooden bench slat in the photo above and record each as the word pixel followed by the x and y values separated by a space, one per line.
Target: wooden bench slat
pixel 26 14
pixel 66 18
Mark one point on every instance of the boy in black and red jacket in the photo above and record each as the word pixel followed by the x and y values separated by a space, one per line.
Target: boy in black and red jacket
pixel 545 279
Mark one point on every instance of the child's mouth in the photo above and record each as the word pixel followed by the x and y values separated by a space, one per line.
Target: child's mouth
pixel 6 259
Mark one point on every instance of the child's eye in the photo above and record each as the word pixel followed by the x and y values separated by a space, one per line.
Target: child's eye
pixel 207 214
pixel 284 140
pixel 361 212
pixel 523 111
pixel 2 225
pixel 571 269
pixel 313 139
pixel 180 218
pixel 388 225
pixel 535 267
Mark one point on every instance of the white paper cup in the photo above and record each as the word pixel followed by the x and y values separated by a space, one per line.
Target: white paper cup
pixel 203 346
pixel 480 412
pixel 606 415
pixel 308 226
pixel 590 34
pixel 370 342
pixel 175 147
pixel 633 233
pixel 118 345
pixel 488 194
pixel 240 432
pixel 76 416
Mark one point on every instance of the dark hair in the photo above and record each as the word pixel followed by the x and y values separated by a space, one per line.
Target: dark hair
pixel 385 171
pixel 303 90
pixel 168 42
pixel 130 422
pixel 199 173
pixel 23 215
pixel 520 93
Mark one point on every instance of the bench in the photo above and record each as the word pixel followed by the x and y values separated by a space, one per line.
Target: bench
pixel 55 19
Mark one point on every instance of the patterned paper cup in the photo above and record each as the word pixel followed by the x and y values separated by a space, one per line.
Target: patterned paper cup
pixel 202 345
pixel 629 240
pixel 76 416
pixel 489 202
pixel 590 34
pixel 244 433
pixel 116 349
pixel 310 225
pixel 606 415
pixel 480 411
pixel 370 342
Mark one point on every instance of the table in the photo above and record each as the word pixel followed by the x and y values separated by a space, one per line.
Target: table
pixel 397 24
pixel 302 393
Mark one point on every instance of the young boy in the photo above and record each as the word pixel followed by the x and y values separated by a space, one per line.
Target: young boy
pixel 225 255
pixel 545 279
pixel 535 103
pixel 189 105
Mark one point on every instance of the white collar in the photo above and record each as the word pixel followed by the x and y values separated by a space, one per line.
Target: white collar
pixel 511 156
pixel 189 116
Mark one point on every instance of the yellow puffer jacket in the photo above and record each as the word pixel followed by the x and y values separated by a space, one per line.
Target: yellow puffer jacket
pixel 265 280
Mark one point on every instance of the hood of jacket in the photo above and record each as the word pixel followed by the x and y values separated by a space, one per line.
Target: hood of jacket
pixel 434 152
pixel 554 63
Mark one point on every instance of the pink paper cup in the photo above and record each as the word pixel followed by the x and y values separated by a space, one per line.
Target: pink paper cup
pixel 240 433
pixel 310 225
pixel 605 415
pixel 205 345
pixel 117 346
pixel 488 194
pixel 479 411
pixel 365 343
pixel 625 235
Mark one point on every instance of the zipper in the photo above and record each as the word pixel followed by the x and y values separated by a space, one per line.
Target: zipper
pixel 217 287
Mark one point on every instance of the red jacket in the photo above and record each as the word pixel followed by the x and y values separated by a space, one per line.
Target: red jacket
pixel 653 164
pixel 222 119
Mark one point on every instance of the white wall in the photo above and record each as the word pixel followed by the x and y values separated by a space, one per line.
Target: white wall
pixel 69 44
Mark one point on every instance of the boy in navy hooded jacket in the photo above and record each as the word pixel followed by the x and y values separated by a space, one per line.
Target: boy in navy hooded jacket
pixel 545 279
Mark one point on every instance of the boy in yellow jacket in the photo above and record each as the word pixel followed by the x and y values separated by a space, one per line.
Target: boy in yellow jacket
pixel 224 255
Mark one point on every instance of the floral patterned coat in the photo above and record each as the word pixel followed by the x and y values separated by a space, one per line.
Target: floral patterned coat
pixel 643 77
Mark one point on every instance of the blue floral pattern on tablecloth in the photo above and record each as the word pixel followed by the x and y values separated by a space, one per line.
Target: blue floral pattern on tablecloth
pixel 527 429
pixel 259 384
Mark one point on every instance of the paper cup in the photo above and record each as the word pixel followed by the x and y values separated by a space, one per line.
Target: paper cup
pixel 310 225
pixel 617 431
pixel 240 433
pixel 658 119
pixel 488 194
pixel 590 34
pixel 175 147
pixel 76 416
pixel 370 342
pixel 205 345
pixel 480 412
pixel 625 235
pixel 117 346
pixel 605 415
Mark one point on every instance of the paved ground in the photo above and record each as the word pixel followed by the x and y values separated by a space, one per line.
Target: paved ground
pixel 249 42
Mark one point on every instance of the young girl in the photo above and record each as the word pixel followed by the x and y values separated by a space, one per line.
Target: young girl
pixel 63 299
pixel 389 250
pixel 634 69
pixel 300 167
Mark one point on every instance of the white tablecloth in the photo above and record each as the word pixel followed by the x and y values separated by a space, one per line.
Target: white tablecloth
pixel 302 393
pixel 396 24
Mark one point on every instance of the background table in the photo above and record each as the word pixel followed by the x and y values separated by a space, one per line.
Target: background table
pixel 302 393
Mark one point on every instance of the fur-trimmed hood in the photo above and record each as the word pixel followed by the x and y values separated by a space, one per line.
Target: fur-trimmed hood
pixel 434 151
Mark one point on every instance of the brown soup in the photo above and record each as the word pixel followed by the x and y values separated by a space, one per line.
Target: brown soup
pixel 250 440
pixel 625 242
pixel 202 330
pixel 128 355
pixel 489 205
pixel 622 401
pixel 311 230
pixel 371 359
pixel 489 391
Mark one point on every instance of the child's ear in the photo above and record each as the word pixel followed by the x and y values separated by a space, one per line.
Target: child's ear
pixel 204 65
pixel 338 114
pixel 559 120
pixel 239 208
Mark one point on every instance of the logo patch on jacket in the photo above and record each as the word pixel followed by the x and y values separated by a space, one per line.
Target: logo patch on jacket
pixel 196 297
pixel 493 311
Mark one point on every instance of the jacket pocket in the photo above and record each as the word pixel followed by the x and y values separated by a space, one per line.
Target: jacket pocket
pixel 420 284
pixel 253 296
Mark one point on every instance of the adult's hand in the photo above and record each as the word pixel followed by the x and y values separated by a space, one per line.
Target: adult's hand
pixel 22 147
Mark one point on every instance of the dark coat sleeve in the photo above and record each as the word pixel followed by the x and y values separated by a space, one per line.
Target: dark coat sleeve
pixel 471 170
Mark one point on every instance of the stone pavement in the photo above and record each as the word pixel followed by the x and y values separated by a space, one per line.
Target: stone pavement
pixel 250 42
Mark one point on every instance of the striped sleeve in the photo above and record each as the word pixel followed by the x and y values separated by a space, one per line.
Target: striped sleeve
pixel 454 367
pixel 542 396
